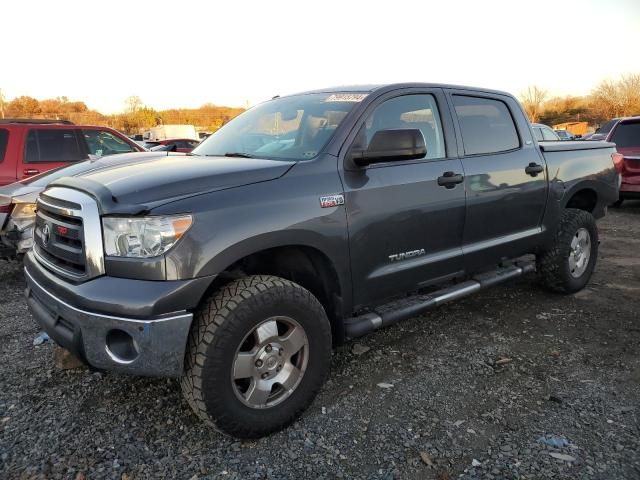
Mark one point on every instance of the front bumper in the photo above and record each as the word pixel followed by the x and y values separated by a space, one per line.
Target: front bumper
pixel 151 344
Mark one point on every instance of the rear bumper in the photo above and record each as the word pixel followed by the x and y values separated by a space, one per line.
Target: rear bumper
pixel 152 345
pixel 629 190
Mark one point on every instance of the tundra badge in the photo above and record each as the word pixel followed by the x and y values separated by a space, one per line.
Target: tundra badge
pixel 405 255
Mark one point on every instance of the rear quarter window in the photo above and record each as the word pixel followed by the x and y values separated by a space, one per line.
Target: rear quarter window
pixel 4 141
pixel 627 134
pixel 486 124
pixel 538 133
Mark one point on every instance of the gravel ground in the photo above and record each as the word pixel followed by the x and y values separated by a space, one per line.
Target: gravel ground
pixel 469 390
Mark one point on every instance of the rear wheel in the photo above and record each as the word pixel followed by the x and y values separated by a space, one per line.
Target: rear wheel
pixel 259 351
pixel 567 266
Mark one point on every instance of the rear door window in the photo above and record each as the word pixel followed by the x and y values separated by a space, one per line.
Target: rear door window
pixel 4 141
pixel 53 145
pixel 486 124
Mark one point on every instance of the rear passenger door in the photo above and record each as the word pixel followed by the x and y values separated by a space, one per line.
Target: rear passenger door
pixel 505 178
pixel 47 148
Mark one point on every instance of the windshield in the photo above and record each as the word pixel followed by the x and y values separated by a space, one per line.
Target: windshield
pixel 289 128
pixel 607 126
pixel 626 135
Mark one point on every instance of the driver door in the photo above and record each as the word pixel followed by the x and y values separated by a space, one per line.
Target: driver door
pixel 405 230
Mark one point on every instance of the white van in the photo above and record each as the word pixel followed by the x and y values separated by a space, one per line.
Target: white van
pixel 164 132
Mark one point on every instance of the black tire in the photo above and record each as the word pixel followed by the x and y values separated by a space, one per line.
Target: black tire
pixel 553 265
pixel 221 326
pixel 617 203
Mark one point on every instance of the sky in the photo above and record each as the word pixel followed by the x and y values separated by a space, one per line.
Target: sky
pixel 183 53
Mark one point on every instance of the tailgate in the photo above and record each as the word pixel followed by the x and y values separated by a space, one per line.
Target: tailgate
pixel 574 146
pixel 631 164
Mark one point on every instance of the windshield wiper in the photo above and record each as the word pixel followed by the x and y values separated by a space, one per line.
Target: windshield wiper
pixel 238 155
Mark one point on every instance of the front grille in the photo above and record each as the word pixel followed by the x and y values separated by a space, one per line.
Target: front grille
pixel 60 240
pixel 67 235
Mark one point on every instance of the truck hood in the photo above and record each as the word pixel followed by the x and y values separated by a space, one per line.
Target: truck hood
pixel 17 190
pixel 145 185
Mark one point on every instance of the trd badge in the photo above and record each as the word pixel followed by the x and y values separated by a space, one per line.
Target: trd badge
pixel 331 201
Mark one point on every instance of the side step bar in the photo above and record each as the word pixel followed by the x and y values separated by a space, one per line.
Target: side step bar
pixel 403 309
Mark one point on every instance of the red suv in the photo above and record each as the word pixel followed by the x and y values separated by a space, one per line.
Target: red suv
pixel 626 135
pixel 29 147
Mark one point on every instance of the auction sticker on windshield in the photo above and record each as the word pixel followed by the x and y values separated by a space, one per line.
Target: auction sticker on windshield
pixel 346 97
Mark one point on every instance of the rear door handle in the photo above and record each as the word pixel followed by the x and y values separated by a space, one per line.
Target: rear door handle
pixel 450 179
pixel 534 169
pixel 30 171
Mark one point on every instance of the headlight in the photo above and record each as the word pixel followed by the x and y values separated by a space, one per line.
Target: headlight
pixel 24 210
pixel 142 237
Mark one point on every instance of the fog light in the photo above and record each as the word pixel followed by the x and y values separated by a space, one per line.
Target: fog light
pixel 121 346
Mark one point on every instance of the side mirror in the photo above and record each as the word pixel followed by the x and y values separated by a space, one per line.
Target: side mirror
pixel 391 145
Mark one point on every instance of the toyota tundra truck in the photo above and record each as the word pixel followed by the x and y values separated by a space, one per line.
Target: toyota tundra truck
pixel 308 220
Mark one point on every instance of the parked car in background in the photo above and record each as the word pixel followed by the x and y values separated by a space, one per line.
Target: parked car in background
pixel 544 133
pixel 626 135
pixel 602 131
pixel 183 145
pixel 32 146
pixel 18 200
pixel 565 135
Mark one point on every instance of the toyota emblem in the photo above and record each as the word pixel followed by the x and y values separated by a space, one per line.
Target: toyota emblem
pixel 46 234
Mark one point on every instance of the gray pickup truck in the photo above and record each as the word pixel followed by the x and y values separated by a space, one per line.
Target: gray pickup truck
pixel 307 220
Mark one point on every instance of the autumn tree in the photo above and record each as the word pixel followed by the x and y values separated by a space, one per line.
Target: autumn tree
pixel 2 104
pixel 565 109
pixel 617 98
pixel 132 104
pixel 22 107
pixel 533 102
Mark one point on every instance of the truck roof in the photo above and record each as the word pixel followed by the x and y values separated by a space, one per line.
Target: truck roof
pixel 396 86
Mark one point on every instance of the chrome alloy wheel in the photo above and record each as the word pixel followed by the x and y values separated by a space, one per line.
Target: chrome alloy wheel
pixel 270 362
pixel 580 252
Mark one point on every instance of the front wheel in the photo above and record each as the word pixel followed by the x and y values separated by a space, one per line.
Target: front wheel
pixel 567 266
pixel 259 351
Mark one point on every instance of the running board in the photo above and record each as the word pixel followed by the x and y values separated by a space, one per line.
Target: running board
pixel 405 308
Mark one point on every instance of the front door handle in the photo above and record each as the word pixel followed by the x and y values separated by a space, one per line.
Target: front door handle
pixel 30 171
pixel 534 169
pixel 450 179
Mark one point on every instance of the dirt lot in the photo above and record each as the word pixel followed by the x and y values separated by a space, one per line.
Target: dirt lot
pixel 472 389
